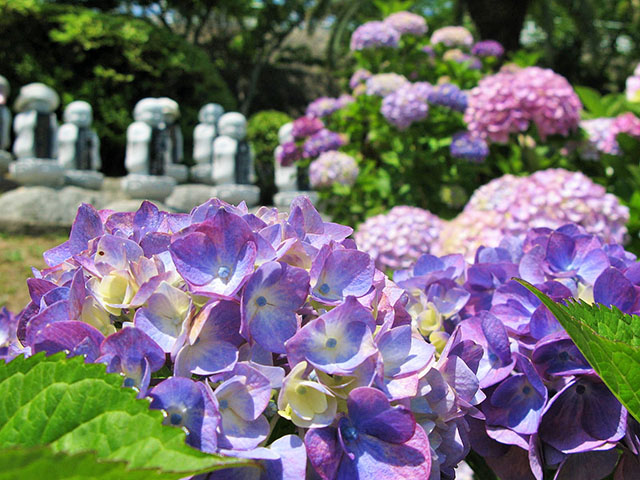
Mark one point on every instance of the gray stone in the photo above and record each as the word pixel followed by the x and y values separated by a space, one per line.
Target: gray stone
pixel 282 200
pixel 38 209
pixel 84 179
pixel 150 187
pixel 177 171
pixel 5 159
pixel 37 171
pixel 185 197
pixel 235 194
pixel 202 174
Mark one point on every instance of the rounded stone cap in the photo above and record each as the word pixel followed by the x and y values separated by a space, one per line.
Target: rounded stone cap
pixel 210 113
pixel 170 108
pixel 148 110
pixel 37 96
pixel 233 124
pixel 5 90
pixel 78 112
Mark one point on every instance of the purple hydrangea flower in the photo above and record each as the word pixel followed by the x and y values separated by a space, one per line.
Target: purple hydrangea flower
pixel 488 48
pixel 452 36
pixel 465 145
pixel 407 23
pixel 190 405
pixel 288 153
pixel 359 77
pixel 600 138
pixel 306 126
pixel 323 107
pixel 374 35
pixel 448 95
pixel 375 440
pixel 322 141
pixel 458 56
pixel 333 167
pixel 633 86
pixel 405 106
pixel 384 84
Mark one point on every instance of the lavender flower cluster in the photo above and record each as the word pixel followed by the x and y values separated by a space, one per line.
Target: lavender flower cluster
pixel 331 168
pixel 469 147
pixel 458 56
pixel 408 104
pixel 452 36
pixel 384 84
pixel 602 134
pixel 310 139
pixel 263 320
pixel 488 48
pixel 542 408
pixel 407 23
pixel 510 101
pixel 449 95
pixel 511 205
pixel 374 35
pixel 396 239
pixel 325 106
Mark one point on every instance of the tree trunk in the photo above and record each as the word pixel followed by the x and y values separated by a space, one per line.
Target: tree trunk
pixel 500 20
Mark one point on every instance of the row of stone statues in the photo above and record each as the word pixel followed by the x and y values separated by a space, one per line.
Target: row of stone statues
pixel 70 154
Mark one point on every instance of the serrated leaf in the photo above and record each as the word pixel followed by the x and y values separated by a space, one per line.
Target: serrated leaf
pixel 74 407
pixel 42 462
pixel 609 341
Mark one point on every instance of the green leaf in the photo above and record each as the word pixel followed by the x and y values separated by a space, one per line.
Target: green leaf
pixel 609 340
pixel 591 99
pixel 73 407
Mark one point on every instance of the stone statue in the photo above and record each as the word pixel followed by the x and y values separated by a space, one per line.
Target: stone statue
pixel 35 146
pixel 174 154
pixel 146 155
pixel 203 137
pixel 79 147
pixel 233 171
pixel 5 126
pixel 291 181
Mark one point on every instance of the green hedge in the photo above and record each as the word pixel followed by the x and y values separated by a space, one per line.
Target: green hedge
pixel 111 61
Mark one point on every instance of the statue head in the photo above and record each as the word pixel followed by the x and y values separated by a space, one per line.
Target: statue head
pixel 149 111
pixel 285 133
pixel 210 113
pixel 4 90
pixel 170 109
pixel 233 124
pixel 37 96
pixel 79 113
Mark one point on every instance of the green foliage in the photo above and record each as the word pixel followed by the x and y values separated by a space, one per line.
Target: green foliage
pixel 109 60
pixel 609 340
pixel 55 410
pixel 262 133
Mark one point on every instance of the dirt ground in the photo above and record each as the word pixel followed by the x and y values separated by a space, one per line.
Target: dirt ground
pixel 18 253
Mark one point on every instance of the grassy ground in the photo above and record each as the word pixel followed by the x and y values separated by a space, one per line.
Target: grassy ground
pixel 18 254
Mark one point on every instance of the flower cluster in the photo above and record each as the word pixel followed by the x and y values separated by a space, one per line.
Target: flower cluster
pixel 374 34
pixel 384 84
pixel 545 408
pixel 599 138
pixel 359 77
pixel 397 238
pixel 325 106
pixel 448 95
pixel 510 101
pixel 632 90
pixel 406 105
pixel 263 323
pixel 511 205
pixel 407 23
pixel 452 36
pixel 470 147
pixel 333 167
pixel 488 48
pixel 322 141
pixel 309 138
pixel 458 56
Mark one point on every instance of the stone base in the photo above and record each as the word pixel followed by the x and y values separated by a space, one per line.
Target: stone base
pixel 5 159
pixel 235 194
pixel 84 179
pixel 37 171
pixel 177 171
pixel 148 187
pixel 185 197
pixel 202 174
pixel 282 200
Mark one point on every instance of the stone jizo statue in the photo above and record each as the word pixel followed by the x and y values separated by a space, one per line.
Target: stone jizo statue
pixel 35 145
pixel 5 126
pixel 79 147
pixel 203 137
pixel 174 154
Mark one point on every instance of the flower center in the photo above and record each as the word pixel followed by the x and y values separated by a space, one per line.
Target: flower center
pixel 175 419
pixel 331 343
pixel 526 389
pixel 301 389
pixel 564 356
pixel 580 389
pixel 223 272
pixel 349 433
pixel 261 301
pixel 324 288
pixel 224 404
pixel 129 382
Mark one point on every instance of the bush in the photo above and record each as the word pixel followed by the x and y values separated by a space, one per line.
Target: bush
pixel 262 132
pixel 111 61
